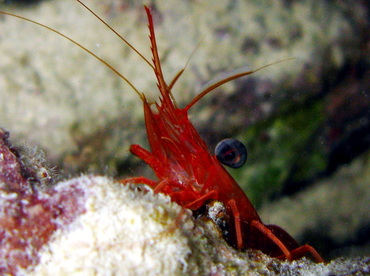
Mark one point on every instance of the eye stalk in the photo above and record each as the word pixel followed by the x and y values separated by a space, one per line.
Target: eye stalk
pixel 231 152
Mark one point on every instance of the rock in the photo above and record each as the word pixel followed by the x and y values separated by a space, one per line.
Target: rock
pixel 95 225
pixel 341 226
pixel 57 84
pixel 304 117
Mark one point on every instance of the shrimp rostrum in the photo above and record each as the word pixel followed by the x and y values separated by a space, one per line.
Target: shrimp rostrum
pixel 188 172
pixel 191 176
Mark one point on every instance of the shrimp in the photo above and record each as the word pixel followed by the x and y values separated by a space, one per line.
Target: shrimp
pixel 187 171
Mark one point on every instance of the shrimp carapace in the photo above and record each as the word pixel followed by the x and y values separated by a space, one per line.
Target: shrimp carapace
pixel 191 176
pixel 186 171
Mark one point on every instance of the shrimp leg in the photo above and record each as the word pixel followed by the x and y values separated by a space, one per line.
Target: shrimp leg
pixel 210 195
pixel 139 180
pixel 147 157
pixel 302 251
pixel 269 234
pixel 238 227
pixel 150 159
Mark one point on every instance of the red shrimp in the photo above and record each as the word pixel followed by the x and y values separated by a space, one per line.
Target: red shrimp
pixel 191 176
pixel 188 172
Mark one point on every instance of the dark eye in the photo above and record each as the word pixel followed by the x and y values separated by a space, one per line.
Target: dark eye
pixel 231 152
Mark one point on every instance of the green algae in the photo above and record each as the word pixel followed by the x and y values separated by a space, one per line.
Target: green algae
pixel 281 148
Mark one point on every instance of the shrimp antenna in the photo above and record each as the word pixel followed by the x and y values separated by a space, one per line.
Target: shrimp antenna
pixel 224 78
pixel 117 34
pixel 174 80
pixel 141 95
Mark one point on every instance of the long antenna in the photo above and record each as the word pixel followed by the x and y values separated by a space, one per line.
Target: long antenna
pixel 117 34
pixel 141 95
pixel 224 78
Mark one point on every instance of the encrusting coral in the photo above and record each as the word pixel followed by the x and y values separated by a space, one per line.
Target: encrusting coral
pixel 96 226
pixel 29 215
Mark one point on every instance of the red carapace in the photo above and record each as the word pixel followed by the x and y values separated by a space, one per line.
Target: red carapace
pixel 187 171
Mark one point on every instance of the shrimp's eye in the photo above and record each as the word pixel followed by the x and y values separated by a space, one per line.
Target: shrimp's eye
pixel 231 152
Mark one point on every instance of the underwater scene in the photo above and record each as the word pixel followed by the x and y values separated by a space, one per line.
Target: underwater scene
pixel 82 84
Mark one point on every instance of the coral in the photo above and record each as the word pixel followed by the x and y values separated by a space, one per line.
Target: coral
pixel 49 89
pixel 29 215
pixel 97 226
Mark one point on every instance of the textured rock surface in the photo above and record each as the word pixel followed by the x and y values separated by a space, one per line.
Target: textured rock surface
pixel 95 226
pixel 48 99
pixel 333 214
pixel 52 86
pixel 29 212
